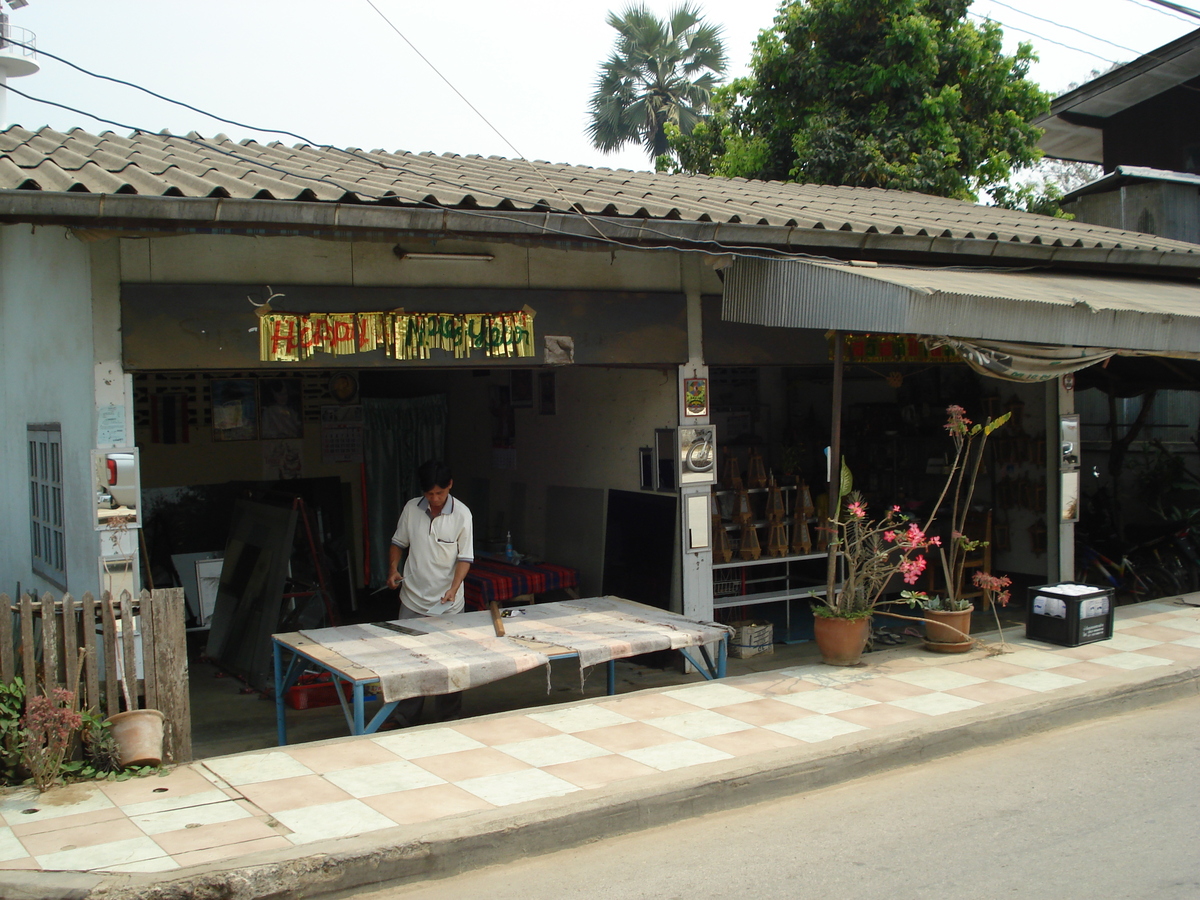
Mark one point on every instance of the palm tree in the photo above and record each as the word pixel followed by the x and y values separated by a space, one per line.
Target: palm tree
pixel 659 72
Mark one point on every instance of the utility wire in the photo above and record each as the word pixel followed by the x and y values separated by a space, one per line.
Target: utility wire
pixel 146 90
pixel 1146 4
pixel 448 82
pixel 482 117
pixel 1042 37
pixel 1177 8
pixel 299 137
pixel 1067 27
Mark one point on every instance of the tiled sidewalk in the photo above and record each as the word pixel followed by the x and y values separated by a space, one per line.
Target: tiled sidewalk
pixel 233 806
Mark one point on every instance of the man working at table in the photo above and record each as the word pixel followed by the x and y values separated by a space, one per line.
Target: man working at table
pixel 435 532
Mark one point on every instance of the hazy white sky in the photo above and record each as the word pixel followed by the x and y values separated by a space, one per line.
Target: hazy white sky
pixel 337 74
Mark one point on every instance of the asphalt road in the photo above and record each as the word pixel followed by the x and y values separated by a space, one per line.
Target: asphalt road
pixel 1109 809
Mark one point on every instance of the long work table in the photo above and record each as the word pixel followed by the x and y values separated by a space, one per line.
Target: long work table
pixel 443 654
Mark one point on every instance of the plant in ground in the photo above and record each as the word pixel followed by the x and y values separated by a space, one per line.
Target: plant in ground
pixel 661 72
pixel 996 593
pixel 12 703
pixel 102 756
pixel 50 724
pixel 904 94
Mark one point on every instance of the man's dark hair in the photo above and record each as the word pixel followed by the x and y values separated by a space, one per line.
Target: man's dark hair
pixel 433 473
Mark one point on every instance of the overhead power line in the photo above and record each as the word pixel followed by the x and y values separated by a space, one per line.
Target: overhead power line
pixel 1177 8
pixel 1148 4
pixel 254 128
pixel 1066 27
pixel 1042 37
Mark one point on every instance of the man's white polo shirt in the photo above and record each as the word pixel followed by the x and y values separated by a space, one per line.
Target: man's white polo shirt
pixel 434 547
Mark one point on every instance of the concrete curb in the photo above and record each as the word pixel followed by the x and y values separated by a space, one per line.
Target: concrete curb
pixel 401 855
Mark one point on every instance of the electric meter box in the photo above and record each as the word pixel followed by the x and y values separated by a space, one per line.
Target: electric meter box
pixel 1069 614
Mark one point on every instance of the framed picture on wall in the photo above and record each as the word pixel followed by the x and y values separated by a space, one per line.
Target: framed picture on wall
pixel 547 398
pixel 282 414
pixel 520 384
pixel 234 409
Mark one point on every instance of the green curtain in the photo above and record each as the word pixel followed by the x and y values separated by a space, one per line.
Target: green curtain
pixel 400 435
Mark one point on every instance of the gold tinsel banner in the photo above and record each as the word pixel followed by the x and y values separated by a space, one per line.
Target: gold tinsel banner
pixel 290 337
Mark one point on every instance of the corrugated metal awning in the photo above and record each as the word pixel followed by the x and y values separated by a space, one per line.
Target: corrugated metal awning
pixel 1155 316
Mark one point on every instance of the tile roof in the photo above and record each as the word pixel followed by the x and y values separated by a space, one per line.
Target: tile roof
pixel 191 166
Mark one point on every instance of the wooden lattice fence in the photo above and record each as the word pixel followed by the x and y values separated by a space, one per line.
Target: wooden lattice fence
pixel 43 640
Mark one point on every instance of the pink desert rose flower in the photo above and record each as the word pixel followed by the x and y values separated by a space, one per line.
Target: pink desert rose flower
pixel 911 569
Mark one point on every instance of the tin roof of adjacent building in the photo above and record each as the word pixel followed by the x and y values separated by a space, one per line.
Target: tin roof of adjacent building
pixel 1076 118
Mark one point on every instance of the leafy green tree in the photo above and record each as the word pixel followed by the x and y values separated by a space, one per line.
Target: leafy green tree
pixel 659 72
pixel 904 94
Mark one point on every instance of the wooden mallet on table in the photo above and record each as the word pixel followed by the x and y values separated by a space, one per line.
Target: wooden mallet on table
pixel 496 623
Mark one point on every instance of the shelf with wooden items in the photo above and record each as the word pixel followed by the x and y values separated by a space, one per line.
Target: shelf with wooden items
pixel 767 547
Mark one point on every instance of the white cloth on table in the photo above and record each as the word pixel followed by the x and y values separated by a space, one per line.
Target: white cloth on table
pixel 454 653
pixel 604 628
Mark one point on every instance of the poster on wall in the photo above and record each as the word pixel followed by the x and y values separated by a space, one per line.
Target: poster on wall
pixel 695 397
pixel 235 409
pixel 283 460
pixel 282 415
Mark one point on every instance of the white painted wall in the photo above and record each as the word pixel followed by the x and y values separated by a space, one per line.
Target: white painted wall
pixel 47 366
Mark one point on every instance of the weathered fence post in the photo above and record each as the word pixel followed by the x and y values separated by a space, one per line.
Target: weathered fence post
pixel 28 657
pixel 164 656
pixel 8 660
pixel 112 693
pixel 92 664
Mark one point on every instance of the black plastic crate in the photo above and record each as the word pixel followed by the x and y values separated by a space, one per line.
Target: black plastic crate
pixel 1062 614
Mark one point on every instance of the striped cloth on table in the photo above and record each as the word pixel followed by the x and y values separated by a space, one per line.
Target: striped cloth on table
pixel 491 579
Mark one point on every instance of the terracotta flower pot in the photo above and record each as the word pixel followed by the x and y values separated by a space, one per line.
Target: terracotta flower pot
pixel 841 641
pixel 139 736
pixel 945 631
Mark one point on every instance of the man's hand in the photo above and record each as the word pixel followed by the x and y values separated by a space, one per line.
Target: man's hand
pixel 395 555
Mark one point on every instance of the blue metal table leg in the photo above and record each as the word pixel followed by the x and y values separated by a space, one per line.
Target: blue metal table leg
pixel 380 717
pixel 722 656
pixel 612 677
pixel 358 708
pixel 280 720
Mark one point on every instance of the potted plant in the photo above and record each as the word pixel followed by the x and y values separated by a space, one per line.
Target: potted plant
pixel 948 616
pixel 872 552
